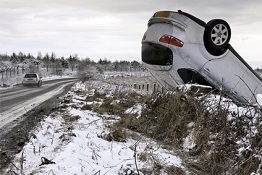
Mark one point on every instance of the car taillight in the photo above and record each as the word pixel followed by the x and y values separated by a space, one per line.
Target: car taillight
pixel 165 39
pixel 171 40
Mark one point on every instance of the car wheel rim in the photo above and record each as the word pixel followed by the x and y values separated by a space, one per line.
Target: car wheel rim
pixel 219 34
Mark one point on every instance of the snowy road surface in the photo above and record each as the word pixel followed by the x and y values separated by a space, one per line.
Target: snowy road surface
pixel 17 101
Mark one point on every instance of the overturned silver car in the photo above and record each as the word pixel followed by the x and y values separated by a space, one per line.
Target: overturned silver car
pixel 178 48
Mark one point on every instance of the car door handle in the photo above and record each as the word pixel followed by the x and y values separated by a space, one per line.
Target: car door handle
pixel 234 93
pixel 206 70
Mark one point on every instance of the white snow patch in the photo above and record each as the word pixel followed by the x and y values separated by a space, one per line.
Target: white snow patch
pixel 259 99
pixel 136 109
pixel 189 142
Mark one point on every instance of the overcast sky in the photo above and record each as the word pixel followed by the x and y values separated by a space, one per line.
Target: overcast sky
pixel 113 29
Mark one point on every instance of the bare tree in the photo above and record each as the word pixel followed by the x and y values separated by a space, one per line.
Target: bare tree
pixel 39 55
pixel 135 65
pixel 73 61
pixel 46 61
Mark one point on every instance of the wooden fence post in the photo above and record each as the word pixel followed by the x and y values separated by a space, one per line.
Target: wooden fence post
pixel 154 91
pixel 3 76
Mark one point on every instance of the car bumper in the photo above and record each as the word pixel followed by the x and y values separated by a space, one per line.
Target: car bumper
pixel 30 83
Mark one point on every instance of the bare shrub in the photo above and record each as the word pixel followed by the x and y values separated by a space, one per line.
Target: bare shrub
pixel 86 107
pixel 97 96
pixel 69 118
pixel 251 165
pixel 167 118
pixel 118 104
pixel 173 170
pixel 79 92
pixel 117 134
pixel 105 107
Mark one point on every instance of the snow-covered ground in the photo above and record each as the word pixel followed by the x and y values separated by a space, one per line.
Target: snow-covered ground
pixel 74 141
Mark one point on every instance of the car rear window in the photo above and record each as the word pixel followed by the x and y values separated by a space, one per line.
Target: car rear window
pixel 155 54
pixel 30 76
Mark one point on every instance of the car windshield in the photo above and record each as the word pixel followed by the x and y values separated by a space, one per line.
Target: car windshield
pixel 30 76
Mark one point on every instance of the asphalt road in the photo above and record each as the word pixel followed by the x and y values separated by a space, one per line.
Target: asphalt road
pixel 21 109
pixel 18 100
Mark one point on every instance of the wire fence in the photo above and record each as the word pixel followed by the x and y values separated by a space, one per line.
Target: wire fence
pixel 11 74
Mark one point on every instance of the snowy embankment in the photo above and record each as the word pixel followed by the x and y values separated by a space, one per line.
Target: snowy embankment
pixel 193 134
pixel 73 141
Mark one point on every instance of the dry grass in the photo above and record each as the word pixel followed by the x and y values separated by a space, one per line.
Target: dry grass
pixel 70 119
pixel 97 96
pixel 117 104
pixel 117 134
pixel 173 170
pixel 167 118
pixel 86 107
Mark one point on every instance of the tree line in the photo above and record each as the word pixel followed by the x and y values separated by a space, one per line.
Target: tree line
pixel 73 62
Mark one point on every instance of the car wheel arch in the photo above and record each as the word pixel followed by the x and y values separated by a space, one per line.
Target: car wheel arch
pixel 192 76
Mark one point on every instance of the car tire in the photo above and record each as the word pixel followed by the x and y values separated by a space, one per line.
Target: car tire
pixel 217 34
pixel 39 84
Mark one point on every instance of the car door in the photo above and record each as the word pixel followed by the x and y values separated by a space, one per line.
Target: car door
pixel 234 75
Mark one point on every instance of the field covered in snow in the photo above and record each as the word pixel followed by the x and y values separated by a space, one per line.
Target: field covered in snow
pixel 82 136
